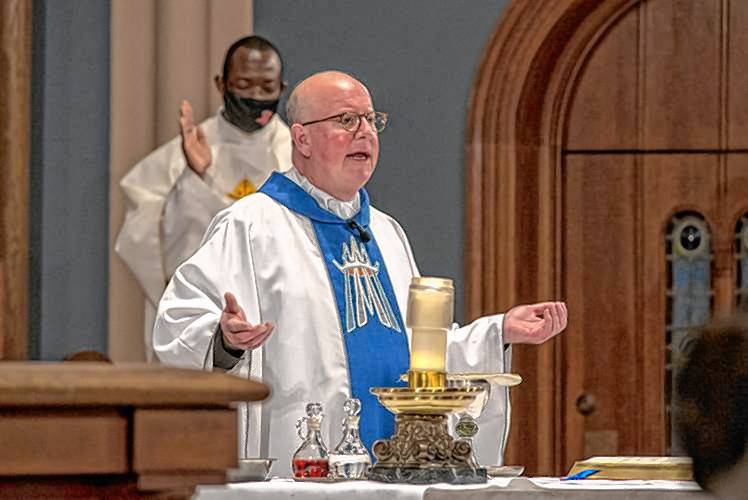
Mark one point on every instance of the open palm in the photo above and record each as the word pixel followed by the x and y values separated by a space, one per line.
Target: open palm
pixel 534 323
pixel 194 144
pixel 237 332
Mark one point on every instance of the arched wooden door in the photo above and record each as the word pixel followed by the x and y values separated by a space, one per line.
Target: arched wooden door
pixel 620 156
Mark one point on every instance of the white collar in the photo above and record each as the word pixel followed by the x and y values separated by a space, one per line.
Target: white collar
pixel 343 209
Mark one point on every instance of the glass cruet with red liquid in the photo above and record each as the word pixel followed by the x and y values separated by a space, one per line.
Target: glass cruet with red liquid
pixel 310 459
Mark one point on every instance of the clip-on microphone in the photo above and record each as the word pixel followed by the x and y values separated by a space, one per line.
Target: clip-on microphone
pixel 362 232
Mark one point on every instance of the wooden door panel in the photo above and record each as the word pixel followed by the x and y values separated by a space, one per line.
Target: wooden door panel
pixel 600 287
pixel 603 112
pixel 616 210
pixel 737 75
pixel 671 183
pixel 681 68
pixel 674 182
pixel 617 207
pixel 653 106
pixel 736 207
pixel 736 200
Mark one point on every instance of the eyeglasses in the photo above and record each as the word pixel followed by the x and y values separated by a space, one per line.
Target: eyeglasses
pixel 352 121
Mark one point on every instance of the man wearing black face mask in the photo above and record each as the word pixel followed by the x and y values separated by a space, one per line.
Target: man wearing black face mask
pixel 175 191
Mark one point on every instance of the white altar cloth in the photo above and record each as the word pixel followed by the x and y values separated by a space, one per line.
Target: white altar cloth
pixel 537 488
pixel 281 489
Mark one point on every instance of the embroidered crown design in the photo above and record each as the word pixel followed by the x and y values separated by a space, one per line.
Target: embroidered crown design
pixel 364 293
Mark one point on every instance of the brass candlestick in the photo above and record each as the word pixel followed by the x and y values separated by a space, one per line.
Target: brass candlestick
pixel 422 451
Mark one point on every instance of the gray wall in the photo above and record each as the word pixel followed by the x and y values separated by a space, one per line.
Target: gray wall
pixel 69 178
pixel 419 58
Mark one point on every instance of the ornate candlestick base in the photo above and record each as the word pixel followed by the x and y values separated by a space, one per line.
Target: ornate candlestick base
pixel 422 451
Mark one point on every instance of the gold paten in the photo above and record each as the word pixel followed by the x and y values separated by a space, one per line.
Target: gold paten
pixel 461 378
pixel 402 400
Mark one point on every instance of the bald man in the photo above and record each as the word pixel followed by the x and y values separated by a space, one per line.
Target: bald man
pixel 306 284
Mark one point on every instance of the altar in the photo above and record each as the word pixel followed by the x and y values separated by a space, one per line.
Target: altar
pixel 424 459
pixel 495 489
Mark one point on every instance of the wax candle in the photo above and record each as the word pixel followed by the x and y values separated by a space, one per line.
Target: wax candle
pixel 429 316
pixel 428 349
pixel 430 303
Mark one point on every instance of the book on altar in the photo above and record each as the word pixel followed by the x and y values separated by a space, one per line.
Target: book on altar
pixel 666 468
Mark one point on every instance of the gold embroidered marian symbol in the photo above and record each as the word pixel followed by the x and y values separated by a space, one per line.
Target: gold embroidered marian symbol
pixel 242 189
pixel 364 293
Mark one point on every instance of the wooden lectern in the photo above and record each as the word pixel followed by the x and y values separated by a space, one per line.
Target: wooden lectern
pixel 99 429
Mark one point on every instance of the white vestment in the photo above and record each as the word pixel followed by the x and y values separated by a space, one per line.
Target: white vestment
pixel 170 206
pixel 269 258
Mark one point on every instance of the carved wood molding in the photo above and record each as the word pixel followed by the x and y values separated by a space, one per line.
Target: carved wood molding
pixel 513 161
pixel 15 66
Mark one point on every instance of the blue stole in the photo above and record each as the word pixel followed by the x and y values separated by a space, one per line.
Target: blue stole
pixel 370 320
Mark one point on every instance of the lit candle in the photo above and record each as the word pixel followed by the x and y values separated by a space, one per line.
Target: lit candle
pixel 429 316
pixel 428 349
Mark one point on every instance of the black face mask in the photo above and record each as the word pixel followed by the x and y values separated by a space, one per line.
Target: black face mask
pixel 243 112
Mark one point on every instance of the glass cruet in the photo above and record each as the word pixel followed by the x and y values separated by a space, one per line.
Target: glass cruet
pixel 350 460
pixel 310 459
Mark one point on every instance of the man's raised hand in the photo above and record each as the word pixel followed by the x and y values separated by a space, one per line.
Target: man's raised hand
pixel 237 332
pixel 194 144
pixel 534 323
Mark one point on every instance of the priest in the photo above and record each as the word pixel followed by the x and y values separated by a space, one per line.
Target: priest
pixel 175 191
pixel 305 287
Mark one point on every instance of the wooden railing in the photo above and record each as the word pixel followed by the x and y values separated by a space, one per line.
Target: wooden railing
pixel 99 429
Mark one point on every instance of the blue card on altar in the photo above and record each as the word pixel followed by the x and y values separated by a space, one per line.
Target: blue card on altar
pixel 581 475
